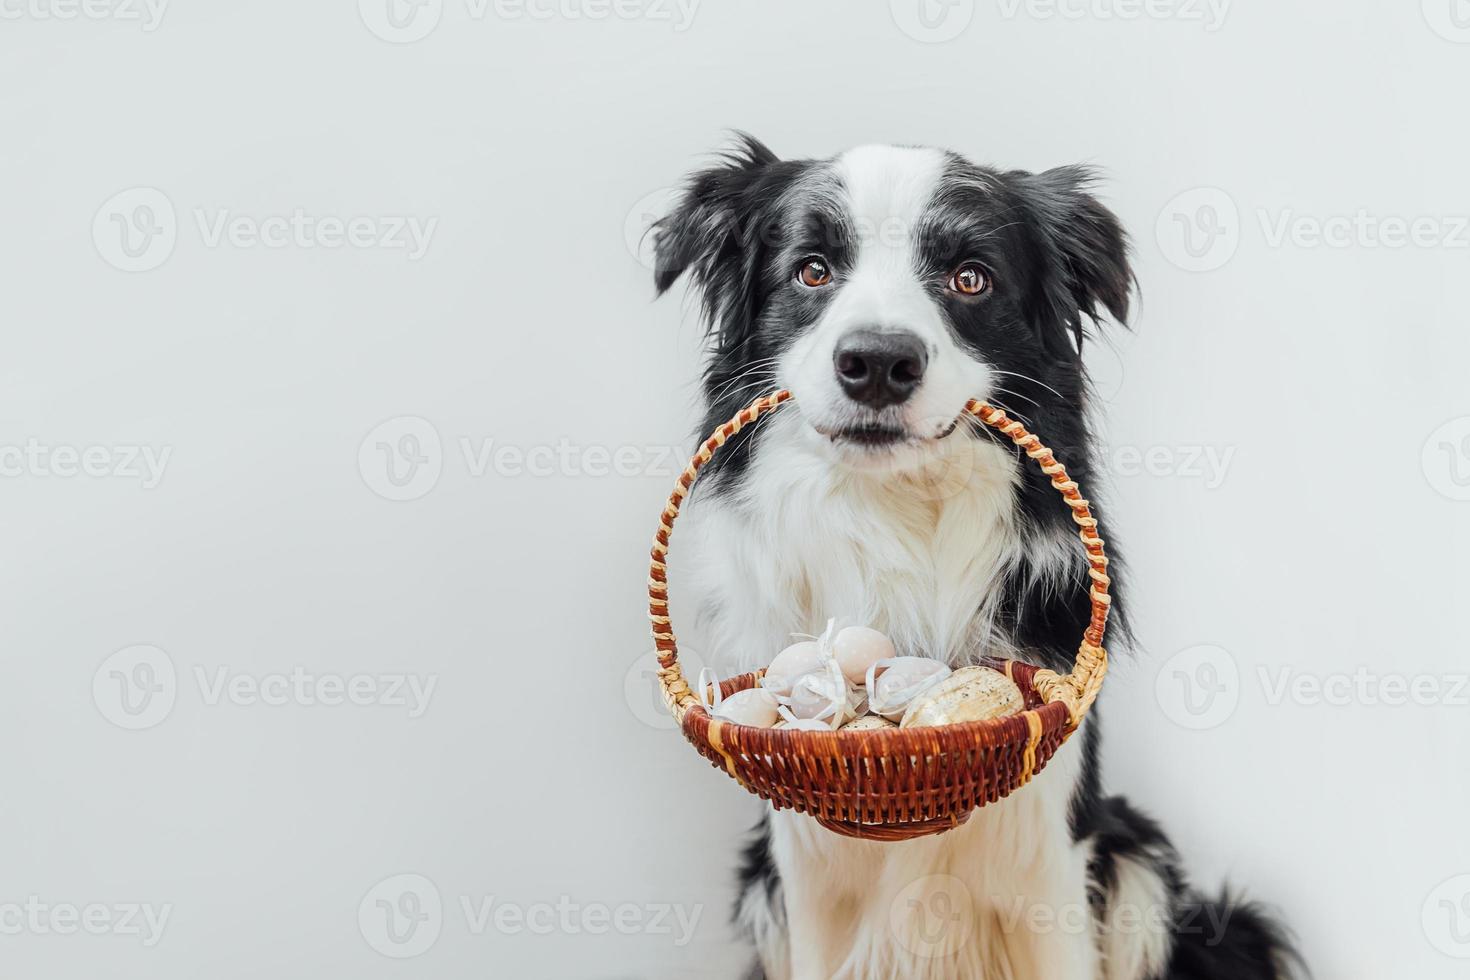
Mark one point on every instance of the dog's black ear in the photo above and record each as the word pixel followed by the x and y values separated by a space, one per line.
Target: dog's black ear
pixel 1084 249
pixel 715 233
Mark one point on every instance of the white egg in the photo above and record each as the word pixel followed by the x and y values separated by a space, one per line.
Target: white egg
pixel 791 663
pixel 753 706
pixel 857 648
pixel 895 682
pixel 822 694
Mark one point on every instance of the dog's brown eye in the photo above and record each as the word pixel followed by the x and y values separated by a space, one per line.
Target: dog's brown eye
pixel 970 280
pixel 814 273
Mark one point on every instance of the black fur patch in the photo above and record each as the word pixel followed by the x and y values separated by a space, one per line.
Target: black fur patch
pixel 1213 939
pixel 757 872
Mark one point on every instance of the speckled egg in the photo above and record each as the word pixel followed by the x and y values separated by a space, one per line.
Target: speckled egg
pixel 969 694
pixel 857 648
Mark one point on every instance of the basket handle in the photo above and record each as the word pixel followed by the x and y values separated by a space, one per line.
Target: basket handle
pixel 1077 690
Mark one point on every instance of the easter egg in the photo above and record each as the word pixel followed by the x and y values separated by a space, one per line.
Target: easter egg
pixel 969 694
pixel 754 707
pixel 894 683
pixel 793 662
pixel 856 648
pixel 821 694
pixel 868 723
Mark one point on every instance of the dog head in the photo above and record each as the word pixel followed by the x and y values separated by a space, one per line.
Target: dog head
pixel 889 285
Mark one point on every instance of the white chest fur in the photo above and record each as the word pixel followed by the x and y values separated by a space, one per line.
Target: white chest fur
pixel 1002 897
pixel 918 555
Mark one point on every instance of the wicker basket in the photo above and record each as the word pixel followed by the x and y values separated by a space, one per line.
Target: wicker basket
pixel 891 784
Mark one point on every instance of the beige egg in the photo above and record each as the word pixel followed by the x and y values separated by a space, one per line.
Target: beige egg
pixel 753 706
pixel 821 694
pixel 893 684
pixel 793 662
pixel 969 694
pixel 857 648
pixel 868 723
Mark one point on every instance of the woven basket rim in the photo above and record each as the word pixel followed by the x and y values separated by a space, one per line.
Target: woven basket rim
pixel 831 774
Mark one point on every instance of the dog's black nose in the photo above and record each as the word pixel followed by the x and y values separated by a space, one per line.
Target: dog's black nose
pixel 879 368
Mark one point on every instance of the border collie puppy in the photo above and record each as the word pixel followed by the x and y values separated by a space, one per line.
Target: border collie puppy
pixel 885 287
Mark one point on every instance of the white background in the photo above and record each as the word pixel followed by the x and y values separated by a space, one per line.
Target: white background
pixel 539 771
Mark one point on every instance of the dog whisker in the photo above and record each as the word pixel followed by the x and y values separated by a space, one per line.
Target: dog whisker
pixel 1023 377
